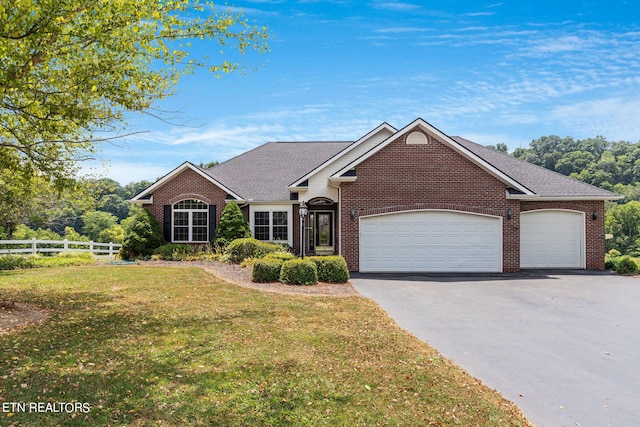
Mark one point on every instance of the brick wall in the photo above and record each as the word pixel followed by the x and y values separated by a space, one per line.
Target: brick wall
pixel 432 176
pixel 187 185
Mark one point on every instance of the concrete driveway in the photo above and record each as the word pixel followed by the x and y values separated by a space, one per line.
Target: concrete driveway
pixel 564 347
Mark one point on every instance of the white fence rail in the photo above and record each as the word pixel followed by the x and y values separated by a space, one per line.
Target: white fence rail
pixel 52 246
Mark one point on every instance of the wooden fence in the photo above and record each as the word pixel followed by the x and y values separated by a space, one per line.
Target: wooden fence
pixel 35 246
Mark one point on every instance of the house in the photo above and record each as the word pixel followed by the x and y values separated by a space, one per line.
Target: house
pixel 413 199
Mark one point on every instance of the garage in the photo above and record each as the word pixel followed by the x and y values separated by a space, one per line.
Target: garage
pixel 552 239
pixel 431 241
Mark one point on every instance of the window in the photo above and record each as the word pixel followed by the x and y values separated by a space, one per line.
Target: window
pixel 280 226
pixel 190 221
pixel 271 225
pixel 261 225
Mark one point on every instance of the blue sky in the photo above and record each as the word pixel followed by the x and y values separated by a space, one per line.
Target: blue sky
pixel 492 72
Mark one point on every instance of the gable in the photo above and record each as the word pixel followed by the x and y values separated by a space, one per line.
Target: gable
pixel 425 171
pixel 196 174
pixel 412 131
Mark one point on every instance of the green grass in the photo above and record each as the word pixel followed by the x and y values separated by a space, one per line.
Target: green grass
pixel 168 346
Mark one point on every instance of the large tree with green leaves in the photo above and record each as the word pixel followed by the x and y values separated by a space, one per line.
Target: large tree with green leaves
pixel 71 70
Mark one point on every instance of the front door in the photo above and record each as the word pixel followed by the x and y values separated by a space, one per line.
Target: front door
pixel 321 232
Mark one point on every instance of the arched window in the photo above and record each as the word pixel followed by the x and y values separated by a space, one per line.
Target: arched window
pixel 190 221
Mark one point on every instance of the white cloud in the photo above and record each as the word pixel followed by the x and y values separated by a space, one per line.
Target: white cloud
pixel 615 118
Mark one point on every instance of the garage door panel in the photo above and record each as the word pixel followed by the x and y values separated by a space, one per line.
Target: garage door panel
pixel 552 239
pixel 436 241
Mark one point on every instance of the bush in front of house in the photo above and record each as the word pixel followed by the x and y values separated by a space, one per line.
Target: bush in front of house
pixel 282 256
pixel 626 265
pixel 241 249
pixel 233 224
pixel 299 272
pixel 611 259
pixel 266 270
pixel 331 269
pixel 173 251
pixel 142 236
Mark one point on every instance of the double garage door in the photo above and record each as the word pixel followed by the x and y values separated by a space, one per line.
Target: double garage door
pixel 431 241
pixel 451 241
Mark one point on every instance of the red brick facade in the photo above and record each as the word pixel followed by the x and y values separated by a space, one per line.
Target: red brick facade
pixel 433 176
pixel 188 184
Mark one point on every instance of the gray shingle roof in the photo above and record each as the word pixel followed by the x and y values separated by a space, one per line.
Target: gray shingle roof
pixel 541 181
pixel 266 172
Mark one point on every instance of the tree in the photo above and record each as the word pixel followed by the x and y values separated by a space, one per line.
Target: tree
pixel 72 70
pixel 95 222
pixel 233 225
pixel 142 235
pixel 623 221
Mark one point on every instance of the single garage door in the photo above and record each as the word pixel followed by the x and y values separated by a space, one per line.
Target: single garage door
pixel 552 239
pixel 431 241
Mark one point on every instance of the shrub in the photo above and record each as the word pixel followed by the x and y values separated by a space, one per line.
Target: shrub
pixel 266 270
pixel 626 265
pixel 331 269
pixel 299 272
pixel 173 251
pixel 233 225
pixel 241 249
pixel 611 259
pixel 282 256
pixel 14 262
pixel 143 235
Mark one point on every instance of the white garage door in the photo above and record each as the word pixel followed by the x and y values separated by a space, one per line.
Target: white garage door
pixel 431 241
pixel 552 239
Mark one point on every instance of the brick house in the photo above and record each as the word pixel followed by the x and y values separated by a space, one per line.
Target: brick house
pixel 413 199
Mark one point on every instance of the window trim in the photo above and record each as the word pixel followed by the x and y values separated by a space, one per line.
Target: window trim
pixel 190 226
pixel 288 209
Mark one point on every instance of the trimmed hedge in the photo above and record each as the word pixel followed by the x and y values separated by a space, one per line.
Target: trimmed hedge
pixel 331 269
pixel 299 272
pixel 266 270
pixel 241 249
pixel 282 256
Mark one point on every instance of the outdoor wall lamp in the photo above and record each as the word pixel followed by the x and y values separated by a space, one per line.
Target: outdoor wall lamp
pixel 509 214
pixel 594 215
pixel 303 214
pixel 353 214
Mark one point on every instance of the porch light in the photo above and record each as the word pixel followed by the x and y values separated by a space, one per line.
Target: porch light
pixel 594 215
pixel 303 214
pixel 509 214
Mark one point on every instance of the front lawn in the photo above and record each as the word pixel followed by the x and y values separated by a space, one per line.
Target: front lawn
pixel 168 346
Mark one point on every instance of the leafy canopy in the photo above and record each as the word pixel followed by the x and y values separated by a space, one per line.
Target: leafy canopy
pixel 70 70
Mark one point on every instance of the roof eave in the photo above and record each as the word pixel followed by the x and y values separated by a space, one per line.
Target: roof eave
pixel 537 198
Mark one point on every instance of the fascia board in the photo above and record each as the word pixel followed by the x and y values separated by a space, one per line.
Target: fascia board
pixel 383 126
pixel 535 198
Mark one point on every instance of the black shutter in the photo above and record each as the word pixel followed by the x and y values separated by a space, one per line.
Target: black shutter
pixel 166 223
pixel 212 222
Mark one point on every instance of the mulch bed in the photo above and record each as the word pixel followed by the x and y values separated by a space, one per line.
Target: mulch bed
pixel 241 276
